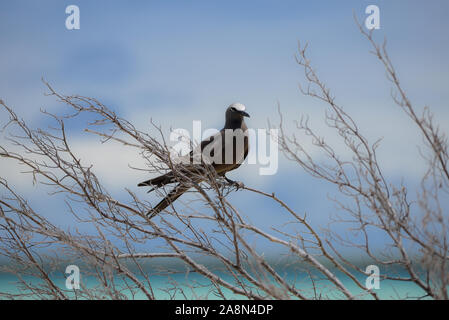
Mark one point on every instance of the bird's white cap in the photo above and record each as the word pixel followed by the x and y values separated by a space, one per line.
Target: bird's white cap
pixel 238 106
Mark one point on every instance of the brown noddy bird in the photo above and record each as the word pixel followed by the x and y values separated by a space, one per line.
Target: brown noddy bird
pixel 222 153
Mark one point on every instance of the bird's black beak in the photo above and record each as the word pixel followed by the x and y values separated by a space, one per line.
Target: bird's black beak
pixel 243 113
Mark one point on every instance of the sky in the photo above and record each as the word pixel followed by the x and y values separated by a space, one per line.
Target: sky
pixel 176 61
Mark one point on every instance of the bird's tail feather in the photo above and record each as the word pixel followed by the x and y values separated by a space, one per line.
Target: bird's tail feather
pixel 164 203
pixel 158 181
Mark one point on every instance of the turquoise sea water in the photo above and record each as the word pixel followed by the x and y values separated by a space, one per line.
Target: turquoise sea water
pixel 164 287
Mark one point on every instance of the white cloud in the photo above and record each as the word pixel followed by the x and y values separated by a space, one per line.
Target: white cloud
pixel 111 162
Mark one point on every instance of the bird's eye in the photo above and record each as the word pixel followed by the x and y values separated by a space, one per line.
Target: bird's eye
pixel 233 109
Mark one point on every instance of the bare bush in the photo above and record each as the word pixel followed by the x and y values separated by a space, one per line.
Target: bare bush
pixel 229 263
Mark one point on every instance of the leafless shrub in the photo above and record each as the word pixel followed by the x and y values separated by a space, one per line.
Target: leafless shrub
pixel 112 254
pixel 417 230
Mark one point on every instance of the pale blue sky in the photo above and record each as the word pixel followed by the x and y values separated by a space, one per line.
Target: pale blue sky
pixel 179 61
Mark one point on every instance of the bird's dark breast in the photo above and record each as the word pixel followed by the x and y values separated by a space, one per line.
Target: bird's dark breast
pixel 224 167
